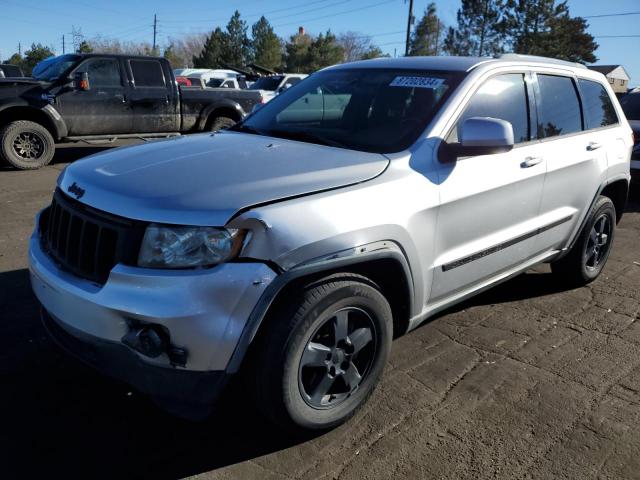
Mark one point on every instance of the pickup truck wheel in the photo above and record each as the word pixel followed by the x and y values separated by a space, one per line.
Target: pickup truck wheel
pixel 26 145
pixel 221 123
pixel 324 353
pixel 589 254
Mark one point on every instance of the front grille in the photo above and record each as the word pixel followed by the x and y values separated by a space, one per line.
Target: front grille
pixel 88 242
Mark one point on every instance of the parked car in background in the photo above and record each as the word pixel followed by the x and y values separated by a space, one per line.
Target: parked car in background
pixel 218 78
pixel 272 85
pixel 346 211
pixel 631 106
pixel 99 98
pixel 10 71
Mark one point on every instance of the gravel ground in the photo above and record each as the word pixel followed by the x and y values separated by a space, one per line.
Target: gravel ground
pixel 528 380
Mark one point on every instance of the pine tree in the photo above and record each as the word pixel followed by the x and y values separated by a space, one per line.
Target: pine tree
pixel 267 49
pixel 427 36
pixel 542 27
pixel 480 31
pixel 324 51
pixel 211 54
pixel 297 53
pixel 35 55
pixel 236 49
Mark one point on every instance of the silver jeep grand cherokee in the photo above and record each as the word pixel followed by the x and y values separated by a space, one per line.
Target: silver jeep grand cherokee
pixel 344 212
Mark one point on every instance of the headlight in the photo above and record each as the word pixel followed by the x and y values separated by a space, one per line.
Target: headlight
pixel 179 247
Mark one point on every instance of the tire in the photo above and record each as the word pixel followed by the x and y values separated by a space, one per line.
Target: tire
pixel 585 261
pixel 290 371
pixel 221 123
pixel 26 145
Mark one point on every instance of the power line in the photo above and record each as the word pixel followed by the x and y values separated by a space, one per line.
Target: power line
pixel 616 36
pixel 364 7
pixel 253 15
pixel 611 15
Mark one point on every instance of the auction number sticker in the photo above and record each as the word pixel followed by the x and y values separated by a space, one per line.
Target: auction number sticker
pixel 419 82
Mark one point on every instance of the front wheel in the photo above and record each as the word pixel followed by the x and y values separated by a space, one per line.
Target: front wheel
pixel 323 354
pixel 584 263
pixel 26 145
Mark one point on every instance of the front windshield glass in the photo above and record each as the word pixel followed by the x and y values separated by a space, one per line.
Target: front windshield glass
pixel 372 110
pixel 51 68
pixel 267 83
pixel 631 106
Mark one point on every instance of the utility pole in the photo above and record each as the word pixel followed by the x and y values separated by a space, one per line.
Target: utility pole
pixel 19 49
pixel 409 22
pixel 63 51
pixel 155 29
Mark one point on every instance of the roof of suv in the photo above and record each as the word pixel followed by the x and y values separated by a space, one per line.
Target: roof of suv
pixel 461 64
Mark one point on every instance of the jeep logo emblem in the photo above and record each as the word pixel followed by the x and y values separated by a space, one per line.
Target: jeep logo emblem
pixel 76 190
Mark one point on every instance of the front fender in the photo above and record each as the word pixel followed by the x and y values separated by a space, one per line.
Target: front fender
pixel 354 256
pixel 43 113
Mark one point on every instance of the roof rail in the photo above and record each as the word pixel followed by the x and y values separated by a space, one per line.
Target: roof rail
pixel 535 58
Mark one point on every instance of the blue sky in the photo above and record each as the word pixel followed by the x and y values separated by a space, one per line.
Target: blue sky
pixel 46 21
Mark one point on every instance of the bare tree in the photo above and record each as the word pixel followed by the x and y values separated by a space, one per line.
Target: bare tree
pixel 184 48
pixel 101 44
pixel 356 46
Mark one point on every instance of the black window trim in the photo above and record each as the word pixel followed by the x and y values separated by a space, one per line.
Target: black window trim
pixel 133 78
pixel 613 125
pixel 531 104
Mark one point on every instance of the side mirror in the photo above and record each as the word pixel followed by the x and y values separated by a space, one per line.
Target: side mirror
pixel 484 136
pixel 81 80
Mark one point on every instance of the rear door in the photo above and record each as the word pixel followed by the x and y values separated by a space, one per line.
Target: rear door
pixel 489 211
pixel 154 98
pixel 104 108
pixel 575 155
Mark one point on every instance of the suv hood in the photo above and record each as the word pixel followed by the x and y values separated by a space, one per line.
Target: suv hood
pixel 205 179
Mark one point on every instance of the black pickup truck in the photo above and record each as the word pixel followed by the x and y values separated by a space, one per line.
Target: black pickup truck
pixel 98 98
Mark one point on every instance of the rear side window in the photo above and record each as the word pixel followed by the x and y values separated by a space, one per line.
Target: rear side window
pixel 103 72
pixel 147 73
pixel 503 97
pixel 559 107
pixel 598 108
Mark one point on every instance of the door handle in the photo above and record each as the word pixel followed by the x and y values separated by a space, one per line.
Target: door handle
pixel 531 161
pixel 593 146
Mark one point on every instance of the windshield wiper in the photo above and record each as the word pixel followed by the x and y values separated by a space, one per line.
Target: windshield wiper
pixel 305 137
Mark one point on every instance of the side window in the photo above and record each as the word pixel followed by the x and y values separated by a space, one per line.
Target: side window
pixel 503 97
pixel 559 107
pixel 598 109
pixel 228 84
pixel 293 80
pixel 147 73
pixel 103 72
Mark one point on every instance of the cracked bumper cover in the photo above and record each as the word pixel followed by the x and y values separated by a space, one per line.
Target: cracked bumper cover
pixel 205 312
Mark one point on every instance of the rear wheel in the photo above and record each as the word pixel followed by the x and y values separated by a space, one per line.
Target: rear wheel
pixel 323 354
pixel 589 254
pixel 26 145
pixel 221 123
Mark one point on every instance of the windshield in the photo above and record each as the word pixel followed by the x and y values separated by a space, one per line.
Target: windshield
pixel 51 68
pixel 381 111
pixel 267 83
pixel 631 106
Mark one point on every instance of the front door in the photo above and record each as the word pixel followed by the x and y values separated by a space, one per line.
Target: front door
pixel 104 108
pixel 489 211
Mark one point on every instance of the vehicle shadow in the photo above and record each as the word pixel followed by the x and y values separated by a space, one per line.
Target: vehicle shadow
pixel 59 416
